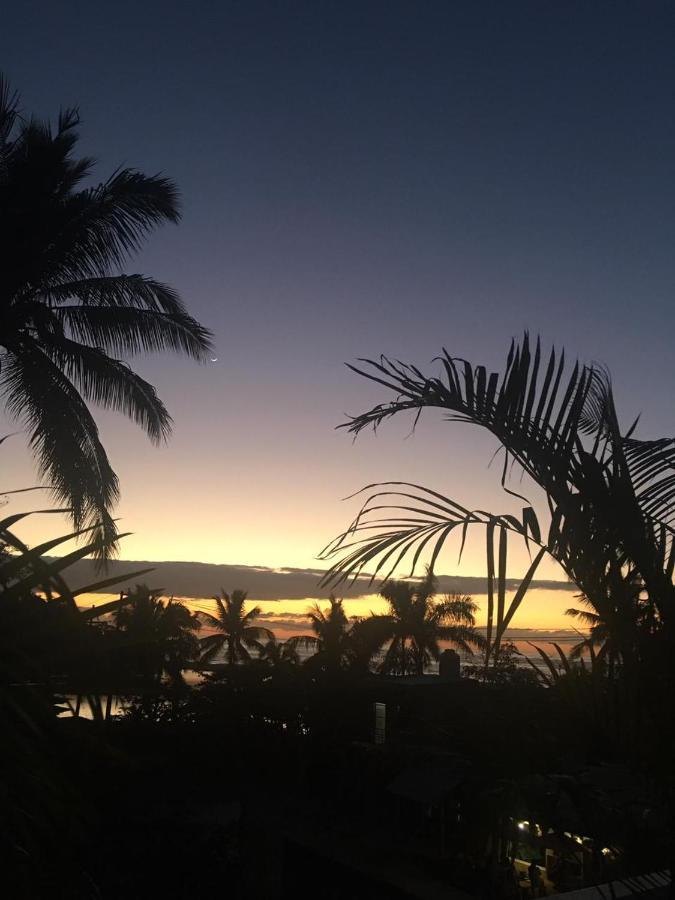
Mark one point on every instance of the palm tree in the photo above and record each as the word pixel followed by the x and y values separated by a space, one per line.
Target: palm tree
pixel 160 635
pixel 331 633
pixel 69 315
pixel 615 625
pixel 281 654
pixel 415 624
pixel 611 497
pixel 235 631
pixel 366 637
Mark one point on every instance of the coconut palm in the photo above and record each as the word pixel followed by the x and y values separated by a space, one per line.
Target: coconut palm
pixel 366 638
pixel 235 631
pixel 416 623
pixel 280 654
pixel 619 623
pixel 331 640
pixel 159 634
pixel 70 318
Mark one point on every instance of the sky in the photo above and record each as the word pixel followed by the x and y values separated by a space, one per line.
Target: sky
pixel 284 595
pixel 356 179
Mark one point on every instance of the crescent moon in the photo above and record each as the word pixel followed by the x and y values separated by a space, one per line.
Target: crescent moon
pixel 214 359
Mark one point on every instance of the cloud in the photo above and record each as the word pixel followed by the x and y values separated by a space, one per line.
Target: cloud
pixel 195 580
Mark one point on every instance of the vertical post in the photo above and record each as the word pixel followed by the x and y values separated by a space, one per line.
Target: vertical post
pixel 380 729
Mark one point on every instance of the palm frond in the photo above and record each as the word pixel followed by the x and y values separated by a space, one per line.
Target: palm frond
pixel 652 470
pixel 111 384
pixel 536 421
pixel 101 227
pixel 458 608
pixel 99 585
pixel 25 561
pixel 252 635
pixel 306 641
pixel 64 437
pixel 114 292
pixel 420 519
pixel 56 566
pixel 9 101
pixel 583 615
pixel 211 646
pixel 208 619
pixel 252 614
pixel 550 665
pixel 132 330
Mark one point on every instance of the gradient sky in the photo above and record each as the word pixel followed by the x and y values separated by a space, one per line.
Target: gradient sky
pixel 360 178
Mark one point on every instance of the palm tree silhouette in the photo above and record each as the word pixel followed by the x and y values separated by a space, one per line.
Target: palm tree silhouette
pixel 280 654
pixel 366 637
pixel 610 495
pixel 234 629
pixel 617 623
pixel 160 635
pixel 331 633
pixel 70 316
pixel 415 624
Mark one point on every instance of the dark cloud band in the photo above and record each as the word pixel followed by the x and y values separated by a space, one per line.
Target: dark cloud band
pixel 188 579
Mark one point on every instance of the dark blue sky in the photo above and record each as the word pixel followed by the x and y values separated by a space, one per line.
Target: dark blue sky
pixel 362 178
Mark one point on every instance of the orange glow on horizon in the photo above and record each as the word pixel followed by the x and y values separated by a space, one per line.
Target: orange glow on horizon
pixel 542 609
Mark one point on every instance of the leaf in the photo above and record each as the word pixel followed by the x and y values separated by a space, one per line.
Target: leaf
pixel 523 587
pixel 490 531
pixel 501 587
pixel 108 582
pixel 547 659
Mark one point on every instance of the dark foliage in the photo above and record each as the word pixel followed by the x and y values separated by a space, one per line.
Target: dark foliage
pixel 70 317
